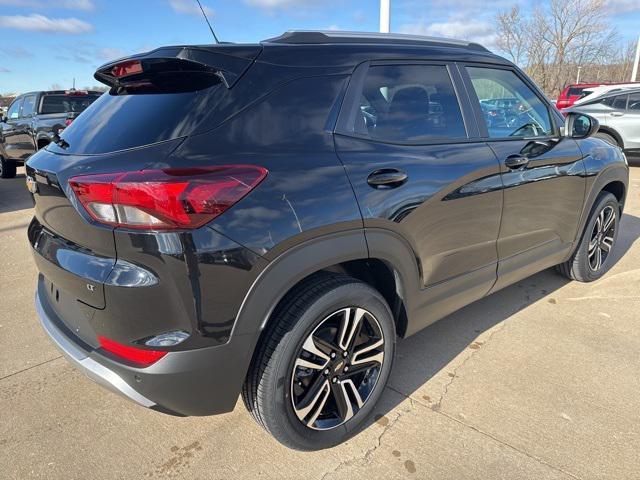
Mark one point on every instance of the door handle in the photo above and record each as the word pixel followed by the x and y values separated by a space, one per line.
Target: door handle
pixel 387 178
pixel 516 161
pixel 617 114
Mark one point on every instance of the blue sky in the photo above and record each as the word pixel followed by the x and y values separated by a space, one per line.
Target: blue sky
pixel 47 42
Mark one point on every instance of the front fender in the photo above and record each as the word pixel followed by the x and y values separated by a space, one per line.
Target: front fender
pixel 604 164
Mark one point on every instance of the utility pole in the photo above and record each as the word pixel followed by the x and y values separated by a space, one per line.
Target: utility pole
pixel 634 74
pixel 385 16
pixel 578 77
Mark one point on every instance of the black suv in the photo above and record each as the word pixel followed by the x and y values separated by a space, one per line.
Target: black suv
pixel 33 120
pixel 269 218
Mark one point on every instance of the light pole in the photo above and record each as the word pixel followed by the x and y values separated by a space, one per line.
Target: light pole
pixel 634 74
pixel 578 76
pixel 385 16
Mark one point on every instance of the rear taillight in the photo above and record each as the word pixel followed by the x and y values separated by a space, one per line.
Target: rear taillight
pixel 68 121
pixel 172 198
pixel 127 68
pixel 139 356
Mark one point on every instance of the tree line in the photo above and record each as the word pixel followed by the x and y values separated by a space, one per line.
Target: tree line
pixel 564 40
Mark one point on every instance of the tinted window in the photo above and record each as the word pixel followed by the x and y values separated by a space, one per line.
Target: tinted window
pixel 574 91
pixel 409 104
pixel 634 101
pixel 28 107
pixel 66 103
pixel 14 109
pixel 117 122
pixel 527 116
pixel 619 102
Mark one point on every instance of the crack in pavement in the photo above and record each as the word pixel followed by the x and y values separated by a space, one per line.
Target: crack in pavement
pixel 29 368
pixel 366 457
pixel 454 374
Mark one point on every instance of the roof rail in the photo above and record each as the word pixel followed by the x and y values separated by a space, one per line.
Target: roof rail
pixel 334 36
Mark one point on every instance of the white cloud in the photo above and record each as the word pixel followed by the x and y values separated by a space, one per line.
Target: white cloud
pixel 474 31
pixel 40 23
pixel 85 5
pixel 189 7
pixel 108 54
pixel 622 6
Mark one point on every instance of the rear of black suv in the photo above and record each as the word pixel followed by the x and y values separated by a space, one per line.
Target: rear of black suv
pixel 266 219
pixel 160 206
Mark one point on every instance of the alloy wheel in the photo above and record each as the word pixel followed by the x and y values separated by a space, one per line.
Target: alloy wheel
pixel 337 368
pixel 602 236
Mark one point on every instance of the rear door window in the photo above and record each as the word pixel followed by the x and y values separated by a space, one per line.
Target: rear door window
pixel 524 115
pixel 634 101
pixel 66 103
pixel 28 107
pixel 409 104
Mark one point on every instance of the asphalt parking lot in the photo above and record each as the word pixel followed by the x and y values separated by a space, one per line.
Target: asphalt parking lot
pixel 540 380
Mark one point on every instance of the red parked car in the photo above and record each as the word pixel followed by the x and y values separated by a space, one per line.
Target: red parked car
pixel 571 93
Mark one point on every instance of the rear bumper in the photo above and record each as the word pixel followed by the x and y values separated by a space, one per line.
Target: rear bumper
pixel 80 359
pixel 202 381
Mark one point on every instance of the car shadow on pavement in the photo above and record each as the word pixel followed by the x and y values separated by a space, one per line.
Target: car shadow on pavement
pixel 421 356
pixel 14 194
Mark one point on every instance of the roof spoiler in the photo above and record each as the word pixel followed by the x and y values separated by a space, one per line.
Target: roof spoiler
pixel 228 62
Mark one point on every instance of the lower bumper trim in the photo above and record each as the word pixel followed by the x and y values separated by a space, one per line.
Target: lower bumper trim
pixel 81 360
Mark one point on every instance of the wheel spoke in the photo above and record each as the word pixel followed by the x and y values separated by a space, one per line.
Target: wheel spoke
pixel 313 403
pixel 368 354
pixel 310 346
pixel 598 258
pixel 349 325
pixel 607 243
pixel 343 402
pixel 608 222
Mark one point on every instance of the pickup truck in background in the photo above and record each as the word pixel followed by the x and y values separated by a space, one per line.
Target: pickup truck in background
pixel 33 120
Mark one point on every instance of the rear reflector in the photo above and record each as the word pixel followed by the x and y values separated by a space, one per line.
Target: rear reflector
pixel 125 69
pixel 173 198
pixel 140 357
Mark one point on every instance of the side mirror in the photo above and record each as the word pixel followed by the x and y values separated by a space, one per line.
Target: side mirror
pixel 3 118
pixel 579 125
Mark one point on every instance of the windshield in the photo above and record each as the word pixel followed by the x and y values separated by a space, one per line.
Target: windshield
pixel 66 103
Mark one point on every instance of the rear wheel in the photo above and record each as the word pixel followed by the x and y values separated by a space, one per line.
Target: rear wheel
pixel 7 168
pixel 592 258
pixel 607 138
pixel 323 363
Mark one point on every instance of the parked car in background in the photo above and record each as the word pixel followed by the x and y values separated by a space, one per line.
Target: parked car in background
pixel 266 220
pixel 33 120
pixel 619 115
pixel 577 91
pixel 591 93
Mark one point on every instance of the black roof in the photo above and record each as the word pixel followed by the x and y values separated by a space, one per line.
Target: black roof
pixel 316 37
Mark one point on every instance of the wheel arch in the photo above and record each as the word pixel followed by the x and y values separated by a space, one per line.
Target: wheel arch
pixel 382 259
pixel 614 133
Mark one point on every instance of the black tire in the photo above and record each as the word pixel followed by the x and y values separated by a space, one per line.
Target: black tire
pixel 268 392
pixel 7 168
pixel 580 266
pixel 607 138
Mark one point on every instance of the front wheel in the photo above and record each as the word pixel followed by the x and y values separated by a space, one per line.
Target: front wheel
pixel 592 258
pixel 322 364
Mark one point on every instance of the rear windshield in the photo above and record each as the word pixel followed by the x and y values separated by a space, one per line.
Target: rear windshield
pixel 574 91
pixel 121 121
pixel 66 103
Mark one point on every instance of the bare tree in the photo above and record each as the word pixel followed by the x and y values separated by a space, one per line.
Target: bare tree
pixel 555 40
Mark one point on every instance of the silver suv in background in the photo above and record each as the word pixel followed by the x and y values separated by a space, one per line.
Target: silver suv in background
pixel 619 115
